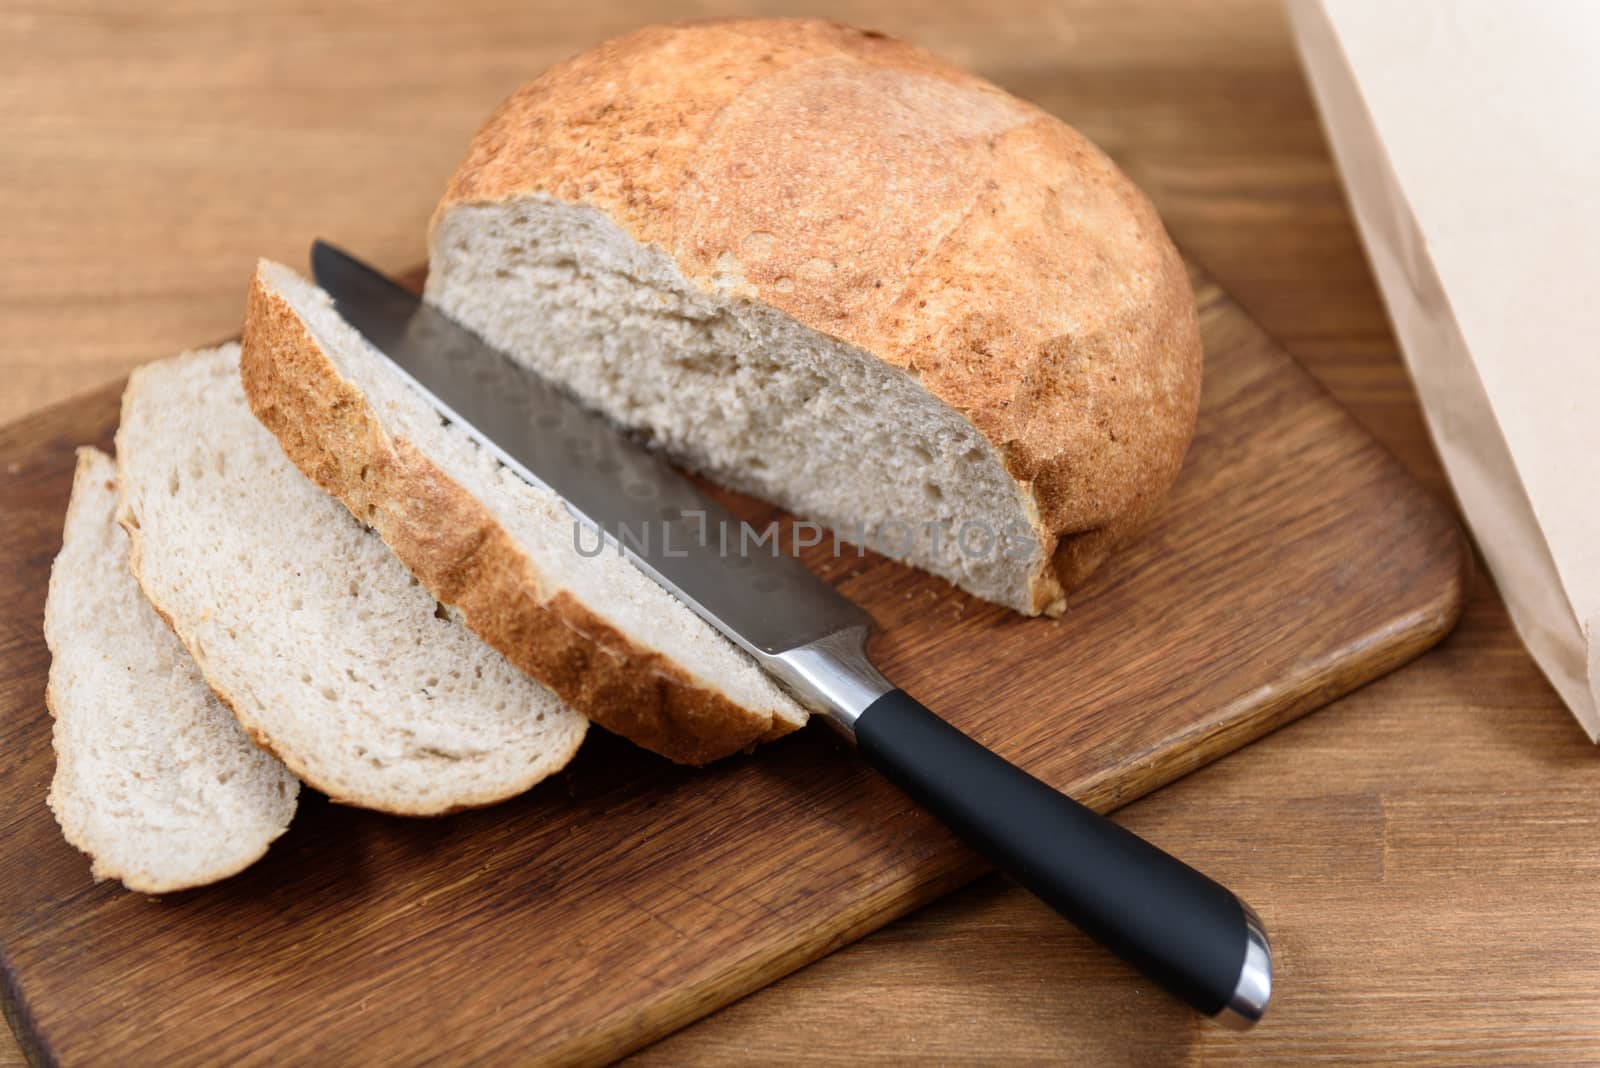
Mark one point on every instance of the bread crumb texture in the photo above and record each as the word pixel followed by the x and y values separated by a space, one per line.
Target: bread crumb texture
pixel 154 779
pixel 328 651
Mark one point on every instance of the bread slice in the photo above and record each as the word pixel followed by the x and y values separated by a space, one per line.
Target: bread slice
pixel 832 270
pixel 329 653
pixel 154 779
pixel 597 630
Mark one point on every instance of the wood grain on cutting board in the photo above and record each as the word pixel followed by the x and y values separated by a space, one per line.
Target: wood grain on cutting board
pixel 624 898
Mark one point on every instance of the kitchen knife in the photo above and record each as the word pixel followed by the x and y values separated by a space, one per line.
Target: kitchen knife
pixel 1185 931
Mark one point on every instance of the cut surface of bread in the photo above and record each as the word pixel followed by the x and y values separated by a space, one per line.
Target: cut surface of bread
pixel 329 653
pixel 154 779
pixel 830 269
pixel 597 630
pixel 739 391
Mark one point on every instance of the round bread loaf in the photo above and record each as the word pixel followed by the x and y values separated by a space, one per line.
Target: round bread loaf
pixel 827 268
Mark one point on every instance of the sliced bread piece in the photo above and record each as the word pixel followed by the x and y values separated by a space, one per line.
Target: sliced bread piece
pixel 830 269
pixel 329 653
pixel 596 630
pixel 154 779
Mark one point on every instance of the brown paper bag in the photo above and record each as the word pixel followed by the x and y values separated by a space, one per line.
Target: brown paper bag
pixel 1468 133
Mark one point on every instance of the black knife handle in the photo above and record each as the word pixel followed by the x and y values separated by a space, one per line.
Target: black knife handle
pixel 1188 933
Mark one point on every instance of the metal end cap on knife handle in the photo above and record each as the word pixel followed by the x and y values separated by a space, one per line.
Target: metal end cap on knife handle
pixel 1254 988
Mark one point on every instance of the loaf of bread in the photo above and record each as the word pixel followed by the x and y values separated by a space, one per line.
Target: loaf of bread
pixel 154 779
pixel 596 630
pixel 831 270
pixel 326 649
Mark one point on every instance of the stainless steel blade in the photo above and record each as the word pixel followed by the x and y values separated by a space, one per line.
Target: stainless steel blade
pixel 743 584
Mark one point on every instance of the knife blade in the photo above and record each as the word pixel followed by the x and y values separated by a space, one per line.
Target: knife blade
pixel 1187 932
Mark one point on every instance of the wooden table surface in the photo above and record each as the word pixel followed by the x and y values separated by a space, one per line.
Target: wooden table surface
pixel 1425 851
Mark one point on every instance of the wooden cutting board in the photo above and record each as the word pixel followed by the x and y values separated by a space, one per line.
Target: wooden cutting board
pixel 627 897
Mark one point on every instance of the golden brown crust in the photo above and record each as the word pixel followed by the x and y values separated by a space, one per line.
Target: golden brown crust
pixel 879 195
pixel 458 550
